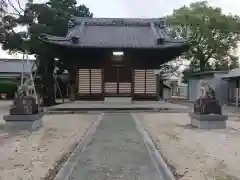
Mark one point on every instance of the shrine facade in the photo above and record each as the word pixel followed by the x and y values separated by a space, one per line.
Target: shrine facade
pixel 116 57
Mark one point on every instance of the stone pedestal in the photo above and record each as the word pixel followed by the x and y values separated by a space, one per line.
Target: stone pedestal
pixel 24 114
pixel 208 114
pixel 208 121
pixel 24 122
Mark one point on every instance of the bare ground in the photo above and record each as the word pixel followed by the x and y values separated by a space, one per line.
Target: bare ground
pixel 38 155
pixel 194 154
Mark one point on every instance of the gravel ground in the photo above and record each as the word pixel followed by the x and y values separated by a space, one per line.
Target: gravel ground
pixel 25 155
pixel 5 105
pixel 195 154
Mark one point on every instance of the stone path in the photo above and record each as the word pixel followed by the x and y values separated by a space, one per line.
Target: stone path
pixel 116 152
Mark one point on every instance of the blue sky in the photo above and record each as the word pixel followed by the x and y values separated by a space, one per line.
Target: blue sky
pixel 141 9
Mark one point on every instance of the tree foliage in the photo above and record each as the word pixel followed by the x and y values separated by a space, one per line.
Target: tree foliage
pixel 213 36
pixel 172 68
pixel 51 17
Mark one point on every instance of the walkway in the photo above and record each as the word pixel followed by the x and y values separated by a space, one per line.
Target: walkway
pixel 116 152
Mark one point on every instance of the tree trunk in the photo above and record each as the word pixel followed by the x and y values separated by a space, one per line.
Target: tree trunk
pixel 72 83
pixel 47 68
pixel 161 88
pixel 202 65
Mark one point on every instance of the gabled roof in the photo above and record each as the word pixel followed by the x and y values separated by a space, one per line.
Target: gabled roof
pixel 116 33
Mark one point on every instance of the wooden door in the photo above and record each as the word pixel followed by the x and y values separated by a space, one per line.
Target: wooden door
pixel 90 83
pixel 117 81
pixel 145 84
pixel 124 81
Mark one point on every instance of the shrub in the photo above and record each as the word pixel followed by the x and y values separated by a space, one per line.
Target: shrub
pixel 8 87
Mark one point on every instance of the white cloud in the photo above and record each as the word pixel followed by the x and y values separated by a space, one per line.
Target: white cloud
pixel 143 8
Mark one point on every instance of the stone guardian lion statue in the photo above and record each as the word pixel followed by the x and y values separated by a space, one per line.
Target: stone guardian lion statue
pixel 207 102
pixel 206 90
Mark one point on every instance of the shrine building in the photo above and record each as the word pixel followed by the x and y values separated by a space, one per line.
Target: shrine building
pixel 116 57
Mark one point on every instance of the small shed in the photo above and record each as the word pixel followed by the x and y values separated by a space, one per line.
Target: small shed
pixel 233 80
pixel 166 92
pixel 178 89
pixel 12 68
pixel 214 78
pixel 10 75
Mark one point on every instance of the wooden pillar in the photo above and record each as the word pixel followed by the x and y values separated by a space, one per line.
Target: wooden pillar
pixel 103 84
pixel 237 92
pixel 132 84
pixel 158 87
pixel 72 83
pixel 145 82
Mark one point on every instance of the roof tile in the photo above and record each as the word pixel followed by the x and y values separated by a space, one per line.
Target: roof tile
pixel 120 33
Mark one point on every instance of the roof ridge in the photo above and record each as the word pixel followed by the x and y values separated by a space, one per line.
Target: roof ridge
pixel 103 18
pixel 118 21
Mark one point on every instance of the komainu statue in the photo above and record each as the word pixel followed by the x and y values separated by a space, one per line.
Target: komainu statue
pixel 24 102
pixel 207 102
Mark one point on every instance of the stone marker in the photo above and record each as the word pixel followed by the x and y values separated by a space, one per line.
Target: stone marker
pixel 24 113
pixel 207 110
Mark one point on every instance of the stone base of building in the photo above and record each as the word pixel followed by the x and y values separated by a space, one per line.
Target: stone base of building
pixel 208 121
pixel 24 122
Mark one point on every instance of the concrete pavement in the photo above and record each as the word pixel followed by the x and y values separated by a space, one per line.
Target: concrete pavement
pixel 116 151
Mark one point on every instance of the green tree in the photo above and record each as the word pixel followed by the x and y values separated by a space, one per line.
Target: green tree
pixel 213 36
pixel 52 18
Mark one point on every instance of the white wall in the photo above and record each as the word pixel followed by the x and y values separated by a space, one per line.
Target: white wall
pixel 221 89
pixel 193 89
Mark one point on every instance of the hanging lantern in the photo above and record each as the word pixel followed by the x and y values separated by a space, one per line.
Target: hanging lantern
pixel 117 56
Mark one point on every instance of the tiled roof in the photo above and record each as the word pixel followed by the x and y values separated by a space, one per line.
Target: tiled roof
pixel 118 33
pixel 15 65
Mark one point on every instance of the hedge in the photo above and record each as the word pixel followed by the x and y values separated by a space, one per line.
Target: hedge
pixel 8 87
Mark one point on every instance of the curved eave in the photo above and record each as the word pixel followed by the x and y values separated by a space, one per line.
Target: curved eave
pixel 67 42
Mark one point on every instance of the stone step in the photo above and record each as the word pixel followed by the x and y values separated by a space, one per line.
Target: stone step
pixel 117 100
